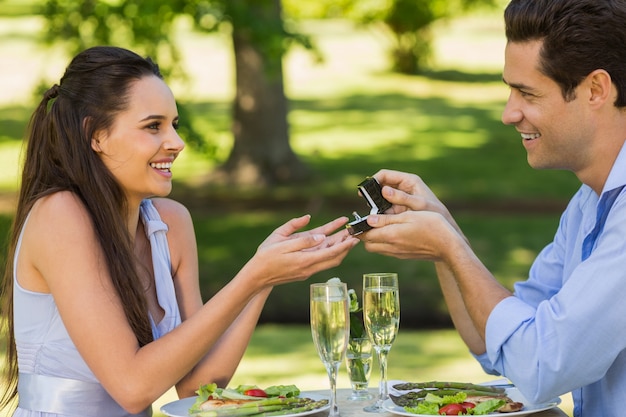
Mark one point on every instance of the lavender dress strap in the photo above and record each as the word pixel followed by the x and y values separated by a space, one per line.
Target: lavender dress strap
pixel 156 232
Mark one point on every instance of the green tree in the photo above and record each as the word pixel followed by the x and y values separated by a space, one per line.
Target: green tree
pixel 261 148
pixel 407 22
pixel 261 154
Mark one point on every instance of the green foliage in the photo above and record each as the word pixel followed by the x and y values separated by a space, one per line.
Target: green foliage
pixel 370 11
pixel 16 9
pixel 186 129
pixel 144 27
pixel 409 22
pixel 147 28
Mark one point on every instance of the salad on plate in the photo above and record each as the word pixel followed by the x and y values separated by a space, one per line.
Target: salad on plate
pixel 251 400
pixel 453 398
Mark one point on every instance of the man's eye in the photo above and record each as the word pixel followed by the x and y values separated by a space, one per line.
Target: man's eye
pixel 525 93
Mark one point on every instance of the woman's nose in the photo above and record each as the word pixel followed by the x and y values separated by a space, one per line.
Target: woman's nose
pixel 174 142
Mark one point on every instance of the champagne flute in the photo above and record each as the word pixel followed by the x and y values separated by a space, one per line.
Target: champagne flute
pixel 330 327
pixel 381 316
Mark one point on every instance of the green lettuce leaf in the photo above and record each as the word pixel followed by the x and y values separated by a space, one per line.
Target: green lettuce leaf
pixel 432 403
pixel 446 399
pixel 488 406
pixel 204 392
pixel 424 407
pixel 243 388
pixel 282 391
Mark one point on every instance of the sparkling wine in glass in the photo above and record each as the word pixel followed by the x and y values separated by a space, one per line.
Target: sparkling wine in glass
pixel 330 327
pixel 381 316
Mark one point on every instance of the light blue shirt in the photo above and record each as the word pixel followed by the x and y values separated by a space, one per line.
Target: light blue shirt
pixel 564 330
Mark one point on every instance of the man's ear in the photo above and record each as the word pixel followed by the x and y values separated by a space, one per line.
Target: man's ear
pixel 601 87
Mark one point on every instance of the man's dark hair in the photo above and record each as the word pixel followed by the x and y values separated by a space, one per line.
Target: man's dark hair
pixel 579 36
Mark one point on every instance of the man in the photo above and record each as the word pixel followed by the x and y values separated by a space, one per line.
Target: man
pixel 564 329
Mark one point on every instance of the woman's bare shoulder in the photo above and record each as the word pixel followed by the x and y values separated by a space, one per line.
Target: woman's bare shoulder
pixel 61 206
pixel 59 238
pixel 60 217
pixel 171 211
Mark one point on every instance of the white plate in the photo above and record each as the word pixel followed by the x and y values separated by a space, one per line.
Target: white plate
pixel 180 408
pixel 512 393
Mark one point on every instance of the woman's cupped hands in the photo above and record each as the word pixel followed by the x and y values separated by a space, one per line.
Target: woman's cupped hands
pixel 292 254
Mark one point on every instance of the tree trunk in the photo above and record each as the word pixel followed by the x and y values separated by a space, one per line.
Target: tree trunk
pixel 261 154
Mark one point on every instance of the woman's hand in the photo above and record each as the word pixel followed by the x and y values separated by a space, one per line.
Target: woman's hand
pixel 289 255
pixel 319 237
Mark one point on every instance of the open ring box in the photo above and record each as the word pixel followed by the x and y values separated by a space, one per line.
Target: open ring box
pixel 371 191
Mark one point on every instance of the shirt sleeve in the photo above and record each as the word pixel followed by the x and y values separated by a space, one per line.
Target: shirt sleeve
pixel 558 332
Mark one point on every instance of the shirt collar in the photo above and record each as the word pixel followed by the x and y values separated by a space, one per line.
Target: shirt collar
pixel 617 175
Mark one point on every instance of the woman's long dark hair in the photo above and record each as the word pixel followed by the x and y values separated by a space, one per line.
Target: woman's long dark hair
pixel 59 157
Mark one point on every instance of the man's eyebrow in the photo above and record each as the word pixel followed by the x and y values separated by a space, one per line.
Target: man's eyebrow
pixel 517 86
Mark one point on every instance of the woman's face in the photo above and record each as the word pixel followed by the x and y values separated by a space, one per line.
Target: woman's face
pixel 142 143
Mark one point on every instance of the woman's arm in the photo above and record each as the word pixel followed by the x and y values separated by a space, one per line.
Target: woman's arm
pixel 222 360
pixel 220 363
pixel 65 255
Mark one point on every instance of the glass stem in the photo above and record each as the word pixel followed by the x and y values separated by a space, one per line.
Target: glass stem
pixel 383 393
pixel 333 370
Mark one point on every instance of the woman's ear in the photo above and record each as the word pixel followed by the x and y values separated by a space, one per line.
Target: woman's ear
pixel 95 142
pixel 95 138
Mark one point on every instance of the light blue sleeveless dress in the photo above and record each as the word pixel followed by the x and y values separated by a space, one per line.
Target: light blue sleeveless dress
pixel 54 380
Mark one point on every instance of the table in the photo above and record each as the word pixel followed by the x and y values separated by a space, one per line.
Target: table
pixel 355 408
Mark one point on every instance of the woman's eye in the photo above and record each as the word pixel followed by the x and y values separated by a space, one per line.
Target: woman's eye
pixel 154 126
pixel 175 125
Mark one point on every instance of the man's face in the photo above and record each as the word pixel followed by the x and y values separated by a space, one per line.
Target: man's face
pixel 556 133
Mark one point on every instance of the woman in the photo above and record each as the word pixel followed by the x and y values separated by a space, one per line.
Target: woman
pixel 101 288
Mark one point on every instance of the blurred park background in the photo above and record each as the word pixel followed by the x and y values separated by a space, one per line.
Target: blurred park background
pixel 285 113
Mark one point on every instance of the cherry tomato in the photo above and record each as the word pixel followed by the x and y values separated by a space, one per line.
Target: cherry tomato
pixel 467 405
pixel 452 410
pixel 255 392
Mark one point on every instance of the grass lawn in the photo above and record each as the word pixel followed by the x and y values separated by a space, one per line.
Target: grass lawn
pixel 349 117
